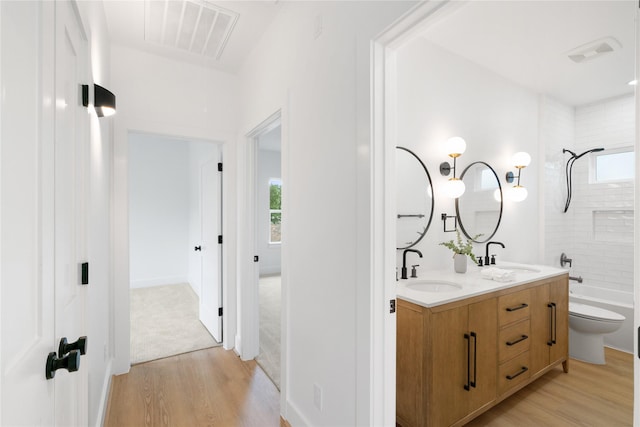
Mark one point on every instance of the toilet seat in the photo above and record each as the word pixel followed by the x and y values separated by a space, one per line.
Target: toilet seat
pixel 594 313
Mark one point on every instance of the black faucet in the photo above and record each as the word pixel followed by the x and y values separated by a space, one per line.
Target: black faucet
pixel 404 261
pixel 486 255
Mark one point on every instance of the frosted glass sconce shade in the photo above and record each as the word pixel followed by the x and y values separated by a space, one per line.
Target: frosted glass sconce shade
pixel 454 188
pixel 518 193
pixel 455 146
pixel 521 160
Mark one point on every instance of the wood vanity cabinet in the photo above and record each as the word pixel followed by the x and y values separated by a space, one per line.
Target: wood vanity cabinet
pixel 456 360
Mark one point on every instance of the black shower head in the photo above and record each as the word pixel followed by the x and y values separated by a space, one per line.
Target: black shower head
pixel 577 156
pixel 593 150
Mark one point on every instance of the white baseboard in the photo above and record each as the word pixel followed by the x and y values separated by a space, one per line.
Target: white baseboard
pixel 104 396
pixel 158 281
pixel 294 417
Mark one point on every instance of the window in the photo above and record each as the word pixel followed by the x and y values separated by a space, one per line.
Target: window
pixel 275 212
pixel 614 165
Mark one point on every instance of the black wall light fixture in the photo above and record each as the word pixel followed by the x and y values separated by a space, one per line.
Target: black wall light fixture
pixel 104 101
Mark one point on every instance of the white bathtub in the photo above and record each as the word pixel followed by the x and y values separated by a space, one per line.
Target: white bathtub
pixel 618 301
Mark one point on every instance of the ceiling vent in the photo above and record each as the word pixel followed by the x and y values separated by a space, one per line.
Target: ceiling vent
pixel 594 49
pixel 197 27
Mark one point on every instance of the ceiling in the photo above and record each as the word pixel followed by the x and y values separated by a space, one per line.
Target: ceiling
pixel 529 42
pixel 192 30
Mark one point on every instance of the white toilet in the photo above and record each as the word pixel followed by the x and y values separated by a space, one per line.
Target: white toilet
pixel 587 326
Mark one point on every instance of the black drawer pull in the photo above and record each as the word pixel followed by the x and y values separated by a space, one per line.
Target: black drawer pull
pixel 522 338
pixel 520 307
pixel 520 372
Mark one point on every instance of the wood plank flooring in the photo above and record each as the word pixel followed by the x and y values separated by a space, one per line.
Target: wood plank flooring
pixel 589 395
pixel 211 387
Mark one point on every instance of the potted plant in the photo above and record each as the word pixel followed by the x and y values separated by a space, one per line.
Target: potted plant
pixel 461 250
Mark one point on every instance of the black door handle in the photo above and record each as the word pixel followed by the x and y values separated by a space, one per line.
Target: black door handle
pixel 198 248
pixel 65 347
pixel 70 362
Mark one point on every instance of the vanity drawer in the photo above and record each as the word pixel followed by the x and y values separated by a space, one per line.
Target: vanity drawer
pixel 514 339
pixel 514 307
pixel 513 372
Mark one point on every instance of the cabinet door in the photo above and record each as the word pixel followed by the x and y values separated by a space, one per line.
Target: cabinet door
pixel 559 296
pixel 540 328
pixel 483 322
pixel 410 393
pixel 449 367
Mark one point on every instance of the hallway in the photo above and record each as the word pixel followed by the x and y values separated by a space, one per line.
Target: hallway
pixel 211 387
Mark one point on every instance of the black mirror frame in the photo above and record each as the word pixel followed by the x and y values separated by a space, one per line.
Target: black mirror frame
pixel 432 200
pixel 461 224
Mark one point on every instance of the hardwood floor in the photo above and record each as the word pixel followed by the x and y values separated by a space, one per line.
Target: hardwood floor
pixel 211 387
pixel 589 395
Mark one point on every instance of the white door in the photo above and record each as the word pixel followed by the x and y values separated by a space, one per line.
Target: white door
pixel 211 291
pixel 71 158
pixel 41 299
pixel 26 212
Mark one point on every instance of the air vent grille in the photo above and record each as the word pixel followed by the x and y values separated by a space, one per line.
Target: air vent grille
pixel 198 27
pixel 594 49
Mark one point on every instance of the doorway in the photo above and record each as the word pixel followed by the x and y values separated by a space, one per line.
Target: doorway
pixel 439 39
pixel 175 257
pixel 268 189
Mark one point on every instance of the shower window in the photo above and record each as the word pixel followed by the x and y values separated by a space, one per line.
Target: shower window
pixel 613 165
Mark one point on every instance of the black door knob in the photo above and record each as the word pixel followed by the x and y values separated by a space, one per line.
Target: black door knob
pixel 65 347
pixel 70 362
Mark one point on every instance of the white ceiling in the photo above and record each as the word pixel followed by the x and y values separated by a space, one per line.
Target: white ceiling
pixel 126 22
pixel 528 42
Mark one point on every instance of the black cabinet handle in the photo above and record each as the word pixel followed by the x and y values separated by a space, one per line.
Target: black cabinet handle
pixel 197 248
pixel 467 385
pixel 550 342
pixel 520 372
pixel 522 338
pixel 65 347
pixel 475 359
pixel 553 320
pixel 70 362
pixel 520 307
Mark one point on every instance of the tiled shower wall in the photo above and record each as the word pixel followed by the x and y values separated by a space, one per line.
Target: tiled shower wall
pixel 597 231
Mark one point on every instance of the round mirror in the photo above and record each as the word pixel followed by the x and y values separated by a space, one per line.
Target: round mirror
pixel 479 209
pixel 414 193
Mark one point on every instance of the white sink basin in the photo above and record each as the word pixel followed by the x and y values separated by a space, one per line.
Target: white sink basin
pixel 434 286
pixel 521 269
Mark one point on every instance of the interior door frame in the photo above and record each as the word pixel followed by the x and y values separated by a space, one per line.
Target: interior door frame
pixel 636 246
pixel 382 398
pixel 248 340
pixel 120 319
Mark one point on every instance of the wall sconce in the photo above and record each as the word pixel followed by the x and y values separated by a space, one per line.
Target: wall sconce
pixel 104 101
pixel 455 147
pixel 520 160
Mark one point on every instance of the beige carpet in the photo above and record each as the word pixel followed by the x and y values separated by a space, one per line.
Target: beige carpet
pixel 269 357
pixel 164 322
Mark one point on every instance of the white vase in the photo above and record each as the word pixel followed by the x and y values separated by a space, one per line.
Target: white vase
pixel 460 263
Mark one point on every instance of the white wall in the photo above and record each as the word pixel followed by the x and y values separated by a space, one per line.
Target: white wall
pixel 321 82
pixel 159 205
pixel 100 290
pixel 268 167
pixel 166 97
pixel 441 95
pixel 604 260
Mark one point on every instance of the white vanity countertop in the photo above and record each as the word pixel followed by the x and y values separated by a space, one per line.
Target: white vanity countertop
pixel 472 283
